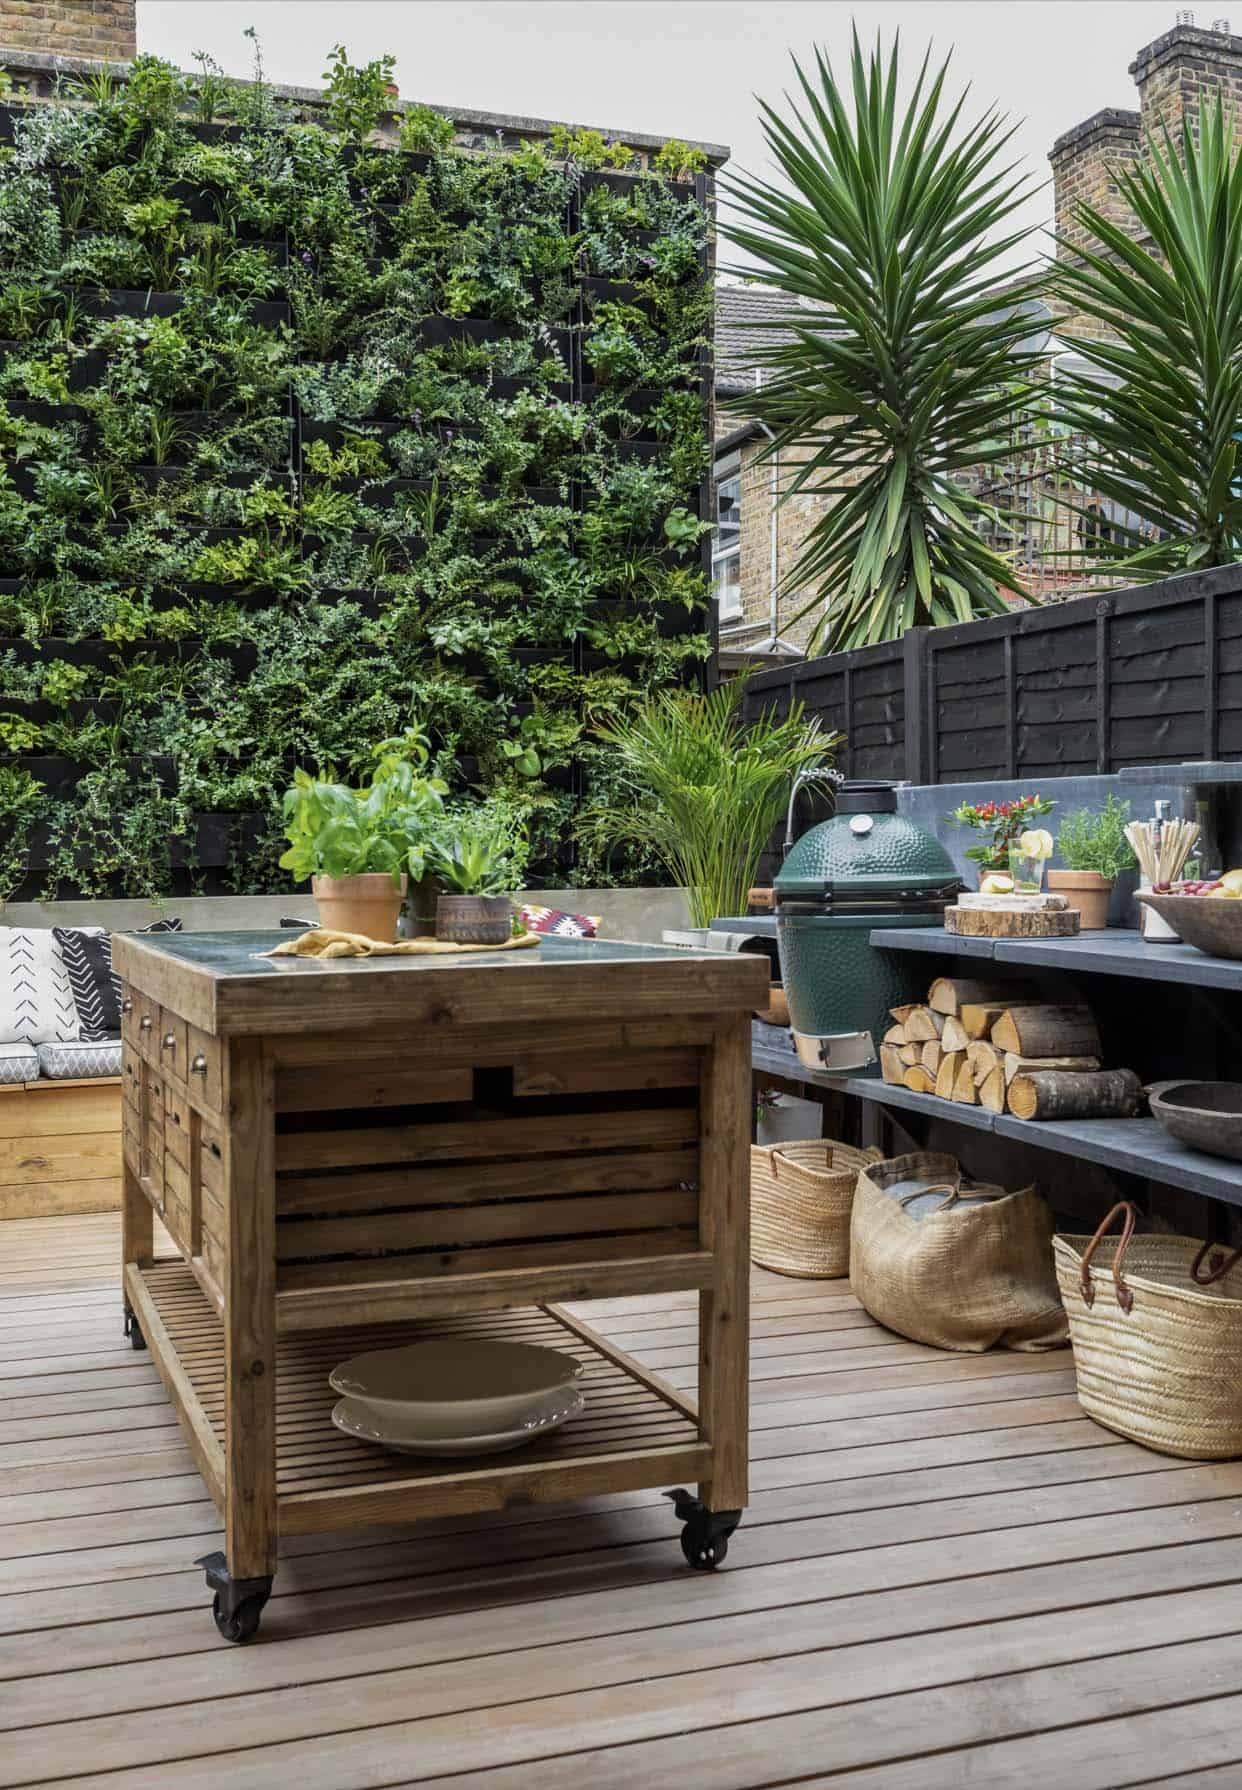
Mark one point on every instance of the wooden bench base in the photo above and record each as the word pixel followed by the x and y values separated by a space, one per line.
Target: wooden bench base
pixel 60 1147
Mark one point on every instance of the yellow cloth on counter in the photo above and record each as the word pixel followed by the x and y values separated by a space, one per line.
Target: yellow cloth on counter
pixel 321 943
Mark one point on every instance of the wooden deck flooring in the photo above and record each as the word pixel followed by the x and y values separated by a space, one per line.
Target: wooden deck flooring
pixel 947 1577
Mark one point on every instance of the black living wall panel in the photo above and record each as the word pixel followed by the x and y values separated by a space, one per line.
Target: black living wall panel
pixel 304 442
pixel 1151 675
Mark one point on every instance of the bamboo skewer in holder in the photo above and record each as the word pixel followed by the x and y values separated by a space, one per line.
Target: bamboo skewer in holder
pixel 1162 848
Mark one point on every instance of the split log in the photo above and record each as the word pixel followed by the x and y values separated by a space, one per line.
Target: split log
pixel 910 1054
pixel 902 1014
pixel 922 1025
pixel 1016 1065
pixel 978 1017
pixel 954 1036
pixel 946 1076
pixel 949 994
pixel 983 1057
pixel 1059 1094
pixel 919 1081
pixel 931 1055
pixel 964 1090
pixel 1047 1032
pixel 895 1035
pixel 992 1090
pixel 891 1066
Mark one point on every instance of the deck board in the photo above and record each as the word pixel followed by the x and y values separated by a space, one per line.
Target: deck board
pixel 947 1575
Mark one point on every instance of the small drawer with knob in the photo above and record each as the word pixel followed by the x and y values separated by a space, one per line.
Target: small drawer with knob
pixel 146 1018
pixel 203 1075
pixel 174 1045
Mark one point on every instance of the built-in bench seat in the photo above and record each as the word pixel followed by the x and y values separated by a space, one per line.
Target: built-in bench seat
pixel 60 1133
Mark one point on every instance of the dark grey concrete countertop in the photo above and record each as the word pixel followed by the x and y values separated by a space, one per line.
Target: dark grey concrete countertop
pixel 1113 952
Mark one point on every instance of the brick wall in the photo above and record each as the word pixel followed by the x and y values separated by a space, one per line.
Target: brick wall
pixel 1180 71
pixel 103 29
pixel 794 520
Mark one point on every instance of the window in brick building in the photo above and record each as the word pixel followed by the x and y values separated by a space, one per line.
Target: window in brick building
pixel 727 547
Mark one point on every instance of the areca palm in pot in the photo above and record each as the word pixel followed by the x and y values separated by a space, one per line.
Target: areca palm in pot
pixel 359 847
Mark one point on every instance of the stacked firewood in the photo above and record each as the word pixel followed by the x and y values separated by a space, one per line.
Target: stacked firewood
pixel 1002 1048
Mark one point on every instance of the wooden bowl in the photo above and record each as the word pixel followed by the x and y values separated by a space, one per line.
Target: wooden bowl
pixel 1213 925
pixel 1207 1115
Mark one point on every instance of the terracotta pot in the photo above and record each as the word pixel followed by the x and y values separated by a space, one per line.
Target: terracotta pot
pixel 1086 891
pixel 369 904
pixel 474 919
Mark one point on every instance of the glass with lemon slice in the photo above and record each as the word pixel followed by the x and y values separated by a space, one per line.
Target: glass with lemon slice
pixel 1028 856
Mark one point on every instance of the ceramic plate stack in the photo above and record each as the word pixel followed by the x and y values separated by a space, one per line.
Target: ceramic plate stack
pixel 454 1397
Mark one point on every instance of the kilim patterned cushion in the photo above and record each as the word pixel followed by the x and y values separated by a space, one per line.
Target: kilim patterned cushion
pixel 556 922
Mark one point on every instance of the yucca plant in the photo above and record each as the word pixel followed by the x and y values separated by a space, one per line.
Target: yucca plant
pixel 906 364
pixel 1159 405
pixel 703 793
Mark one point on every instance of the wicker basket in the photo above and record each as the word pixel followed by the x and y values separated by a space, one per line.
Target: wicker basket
pixel 1156 1327
pixel 801 1197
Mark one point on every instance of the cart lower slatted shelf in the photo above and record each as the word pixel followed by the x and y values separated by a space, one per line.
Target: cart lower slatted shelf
pixel 631 1427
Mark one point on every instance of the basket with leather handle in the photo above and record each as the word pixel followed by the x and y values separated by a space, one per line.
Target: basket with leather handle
pixel 801 1197
pixel 1156 1328
pixel 956 1264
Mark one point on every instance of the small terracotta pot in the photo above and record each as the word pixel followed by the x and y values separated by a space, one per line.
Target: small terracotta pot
pixel 474 919
pixel 1087 892
pixel 369 904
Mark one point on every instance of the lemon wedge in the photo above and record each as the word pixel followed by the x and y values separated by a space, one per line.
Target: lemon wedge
pixel 1037 843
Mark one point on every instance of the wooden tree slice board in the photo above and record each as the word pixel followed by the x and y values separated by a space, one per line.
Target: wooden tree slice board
pixel 1022 923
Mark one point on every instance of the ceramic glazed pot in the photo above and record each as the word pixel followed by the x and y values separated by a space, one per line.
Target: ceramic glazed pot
pixel 369 904
pixel 474 919
pixel 1087 892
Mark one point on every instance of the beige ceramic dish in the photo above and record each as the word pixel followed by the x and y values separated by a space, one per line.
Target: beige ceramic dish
pixel 452 1389
pixel 355 1420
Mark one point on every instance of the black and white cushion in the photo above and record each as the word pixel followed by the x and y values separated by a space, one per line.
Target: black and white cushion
pixel 87 952
pixel 36 999
pixel 75 1062
pixel 18 1063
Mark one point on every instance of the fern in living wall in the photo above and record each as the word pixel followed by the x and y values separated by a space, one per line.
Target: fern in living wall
pixel 904 359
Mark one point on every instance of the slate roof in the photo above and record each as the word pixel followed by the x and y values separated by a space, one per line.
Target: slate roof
pixel 738 310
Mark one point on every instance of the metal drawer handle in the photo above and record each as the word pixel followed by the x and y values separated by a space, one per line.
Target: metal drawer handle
pixel 144 1024
pixel 170 1038
pixel 199 1065
pixel 127 1006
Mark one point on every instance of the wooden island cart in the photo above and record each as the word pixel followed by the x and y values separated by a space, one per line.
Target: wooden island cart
pixel 363 1152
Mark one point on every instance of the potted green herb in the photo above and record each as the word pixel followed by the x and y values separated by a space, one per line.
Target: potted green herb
pixel 359 847
pixel 1095 852
pixel 476 861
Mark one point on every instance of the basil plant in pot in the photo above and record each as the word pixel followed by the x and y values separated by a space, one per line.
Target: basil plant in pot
pixel 360 847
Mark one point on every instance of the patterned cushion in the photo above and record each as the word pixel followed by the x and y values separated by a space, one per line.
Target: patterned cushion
pixel 36 1000
pixel 18 1062
pixel 556 921
pixel 72 1062
pixel 87 951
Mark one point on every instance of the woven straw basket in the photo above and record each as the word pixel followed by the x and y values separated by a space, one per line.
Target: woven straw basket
pixel 1156 1327
pixel 801 1197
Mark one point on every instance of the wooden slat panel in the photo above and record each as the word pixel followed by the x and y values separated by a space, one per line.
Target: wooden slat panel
pixel 82 1157
pixel 448 1263
pixel 574 1074
pixel 488 1045
pixel 45 1199
pixel 343 1085
pixel 479 1182
pixel 51 1109
pixel 472 1139
pixel 437 1229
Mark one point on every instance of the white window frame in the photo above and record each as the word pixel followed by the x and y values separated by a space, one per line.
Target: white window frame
pixel 732 553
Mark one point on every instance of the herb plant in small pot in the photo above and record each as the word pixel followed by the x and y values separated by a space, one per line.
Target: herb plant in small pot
pixel 1095 852
pixel 475 864
pixel 359 847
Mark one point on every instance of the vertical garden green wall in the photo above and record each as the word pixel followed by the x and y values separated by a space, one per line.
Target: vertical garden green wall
pixel 303 441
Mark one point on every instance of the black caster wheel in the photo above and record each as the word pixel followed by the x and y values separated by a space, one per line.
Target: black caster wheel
pixel 133 1331
pixel 238 1603
pixel 705 1537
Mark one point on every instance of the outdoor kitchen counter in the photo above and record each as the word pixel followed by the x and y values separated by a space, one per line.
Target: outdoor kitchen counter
pixel 416 1146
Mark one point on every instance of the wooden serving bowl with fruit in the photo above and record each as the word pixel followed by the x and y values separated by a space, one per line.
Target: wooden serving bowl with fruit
pixel 1205 914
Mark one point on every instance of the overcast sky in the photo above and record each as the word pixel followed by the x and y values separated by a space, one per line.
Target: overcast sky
pixel 688 68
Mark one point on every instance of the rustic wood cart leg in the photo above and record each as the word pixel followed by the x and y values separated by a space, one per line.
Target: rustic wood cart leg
pixel 724 1308
pixel 137 1241
pixel 241 1577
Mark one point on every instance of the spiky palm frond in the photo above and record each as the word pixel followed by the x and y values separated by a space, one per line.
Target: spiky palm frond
pixel 1159 405
pixel 906 361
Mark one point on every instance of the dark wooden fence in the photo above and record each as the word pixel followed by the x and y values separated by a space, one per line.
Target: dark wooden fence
pixel 1151 675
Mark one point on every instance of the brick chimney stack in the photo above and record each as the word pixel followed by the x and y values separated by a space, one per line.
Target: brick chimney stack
pixel 1184 69
pixel 102 29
